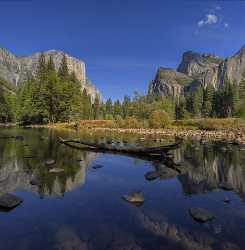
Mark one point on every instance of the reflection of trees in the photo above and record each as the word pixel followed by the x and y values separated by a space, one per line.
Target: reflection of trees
pixel 16 171
pixel 205 167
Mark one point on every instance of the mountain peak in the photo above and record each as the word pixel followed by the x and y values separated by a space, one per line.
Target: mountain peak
pixel 17 69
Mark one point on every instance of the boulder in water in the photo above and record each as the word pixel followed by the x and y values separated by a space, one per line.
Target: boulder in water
pixel 151 175
pixel 9 201
pixel 136 197
pixel 225 186
pixel 201 214
pixel 50 162
pixel 56 170
pixel 97 166
pixel 35 181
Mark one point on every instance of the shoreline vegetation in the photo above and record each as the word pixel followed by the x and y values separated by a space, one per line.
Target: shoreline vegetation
pixel 230 130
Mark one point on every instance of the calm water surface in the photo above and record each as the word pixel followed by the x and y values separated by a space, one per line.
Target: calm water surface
pixel 82 208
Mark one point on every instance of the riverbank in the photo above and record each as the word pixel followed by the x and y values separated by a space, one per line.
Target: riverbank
pixel 232 136
pixel 228 130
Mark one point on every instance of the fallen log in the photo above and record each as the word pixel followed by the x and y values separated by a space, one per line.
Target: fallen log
pixel 124 149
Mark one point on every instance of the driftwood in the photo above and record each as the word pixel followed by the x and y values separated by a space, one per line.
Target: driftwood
pixel 156 156
pixel 124 149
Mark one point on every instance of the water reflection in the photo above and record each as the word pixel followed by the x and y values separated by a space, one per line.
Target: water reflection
pixel 23 162
pixel 93 216
pixel 206 167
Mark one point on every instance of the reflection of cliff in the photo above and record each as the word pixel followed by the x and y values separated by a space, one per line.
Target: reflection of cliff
pixel 206 168
pixel 14 175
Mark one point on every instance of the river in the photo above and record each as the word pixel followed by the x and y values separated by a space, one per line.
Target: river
pixel 82 206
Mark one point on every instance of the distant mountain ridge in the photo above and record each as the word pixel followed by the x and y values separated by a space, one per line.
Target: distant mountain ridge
pixel 197 70
pixel 16 69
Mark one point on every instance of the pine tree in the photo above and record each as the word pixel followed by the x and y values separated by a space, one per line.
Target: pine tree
pixel 117 109
pixel 63 69
pixel 208 95
pixel 96 108
pixel 109 107
pixel 126 106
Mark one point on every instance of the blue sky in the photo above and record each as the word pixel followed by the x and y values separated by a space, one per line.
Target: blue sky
pixel 123 42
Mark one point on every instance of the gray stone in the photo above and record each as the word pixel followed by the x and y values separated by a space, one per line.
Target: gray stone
pixel 152 175
pixel 35 181
pixel 227 200
pixel 201 214
pixel 9 201
pixel 135 197
pixel 56 170
pixel 225 186
pixel 50 162
pixel 97 166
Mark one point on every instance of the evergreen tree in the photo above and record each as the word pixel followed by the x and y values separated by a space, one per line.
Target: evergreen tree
pixel 208 95
pixel 63 69
pixel 109 107
pixel 96 108
pixel 117 109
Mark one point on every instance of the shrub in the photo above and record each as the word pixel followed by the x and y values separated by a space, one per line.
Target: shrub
pixel 159 119
pixel 132 122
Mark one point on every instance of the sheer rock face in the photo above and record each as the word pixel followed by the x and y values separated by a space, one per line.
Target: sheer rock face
pixel 201 70
pixel 17 69
pixel 169 82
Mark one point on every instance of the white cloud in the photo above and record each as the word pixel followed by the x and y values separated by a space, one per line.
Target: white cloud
pixel 210 19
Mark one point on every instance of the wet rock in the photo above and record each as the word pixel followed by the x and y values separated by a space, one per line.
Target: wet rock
pixel 97 166
pixel 35 181
pixel 225 186
pixel 135 197
pixel 229 246
pixel 167 173
pixel 227 200
pixel 19 137
pixel 9 201
pixel 56 170
pixel 152 175
pixel 201 214
pixel 50 162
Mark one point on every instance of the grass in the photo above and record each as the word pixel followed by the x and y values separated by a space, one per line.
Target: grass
pixel 211 124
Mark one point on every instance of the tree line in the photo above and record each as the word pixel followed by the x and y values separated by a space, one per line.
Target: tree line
pixel 56 96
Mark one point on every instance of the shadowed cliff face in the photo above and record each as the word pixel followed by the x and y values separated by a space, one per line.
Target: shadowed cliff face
pixel 17 69
pixel 199 69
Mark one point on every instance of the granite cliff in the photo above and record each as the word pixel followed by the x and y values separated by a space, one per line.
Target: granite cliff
pixel 16 69
pixel 197 70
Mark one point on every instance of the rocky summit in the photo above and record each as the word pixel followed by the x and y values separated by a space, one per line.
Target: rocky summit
pixel 197 70
pixel 14 70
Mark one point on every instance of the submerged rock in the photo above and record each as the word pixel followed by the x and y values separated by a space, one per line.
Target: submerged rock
pixel 97 166
pixel 35 181
pixel 225 186
pixel 9 201
pixel 50 162
pixel 227 200
pixel 56 170
pixel 151 175
pixel 135 197
pixel 167 173
pixel 201 214
pixel 19 137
